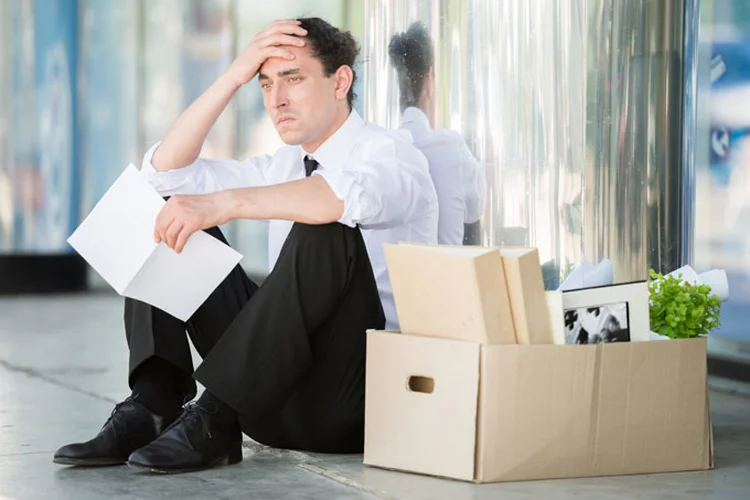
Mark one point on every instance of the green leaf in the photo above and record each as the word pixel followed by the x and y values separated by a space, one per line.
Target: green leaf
pixel 678 309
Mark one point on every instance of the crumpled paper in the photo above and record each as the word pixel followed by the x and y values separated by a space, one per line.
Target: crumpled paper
pixel 715 278
pixel 587 276
pixel 656 336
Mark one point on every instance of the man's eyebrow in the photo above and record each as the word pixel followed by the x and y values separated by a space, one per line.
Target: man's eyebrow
pixel 288 72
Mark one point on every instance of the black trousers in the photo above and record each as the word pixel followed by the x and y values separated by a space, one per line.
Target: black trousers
pixel 289 356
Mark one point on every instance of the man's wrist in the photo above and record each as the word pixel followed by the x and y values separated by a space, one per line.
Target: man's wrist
pixel 229 81
pixel 234 201
pixel 235 76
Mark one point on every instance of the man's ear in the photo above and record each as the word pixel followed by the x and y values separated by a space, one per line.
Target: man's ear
pixel 342 79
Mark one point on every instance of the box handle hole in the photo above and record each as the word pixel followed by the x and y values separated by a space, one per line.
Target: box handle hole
pixel 421 384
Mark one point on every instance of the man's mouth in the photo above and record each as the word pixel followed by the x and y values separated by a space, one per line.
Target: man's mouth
pixel 283 120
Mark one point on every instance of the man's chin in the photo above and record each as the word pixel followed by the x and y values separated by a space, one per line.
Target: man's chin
pixel 289 138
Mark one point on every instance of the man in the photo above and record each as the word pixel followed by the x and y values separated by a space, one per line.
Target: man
pixel 283 362
pixel 458 177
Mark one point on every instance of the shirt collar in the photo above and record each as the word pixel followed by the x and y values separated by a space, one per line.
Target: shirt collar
pixel 334 152
pixel 415 117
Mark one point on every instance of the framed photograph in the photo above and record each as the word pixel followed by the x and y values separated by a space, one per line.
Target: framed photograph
pixel 614 313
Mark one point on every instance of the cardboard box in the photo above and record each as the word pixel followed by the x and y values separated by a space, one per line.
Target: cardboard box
pixel 451 292
pixel 487 413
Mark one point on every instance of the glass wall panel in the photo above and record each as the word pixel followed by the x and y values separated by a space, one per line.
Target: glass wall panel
pixel 574 109
pixel 6 179
pixel 108 89
pixel 722 210
pixel 39 180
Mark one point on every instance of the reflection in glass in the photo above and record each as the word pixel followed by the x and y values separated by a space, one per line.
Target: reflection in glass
pixel 458 177
pixel 573 108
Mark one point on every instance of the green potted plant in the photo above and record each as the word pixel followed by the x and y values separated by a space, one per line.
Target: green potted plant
pixel 679 309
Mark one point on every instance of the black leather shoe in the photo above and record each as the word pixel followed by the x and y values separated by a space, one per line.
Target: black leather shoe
pixel 129 427
pixel 193 442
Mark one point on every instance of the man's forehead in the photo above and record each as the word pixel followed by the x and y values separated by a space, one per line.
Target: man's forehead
pixel 270 70
pixel 303 61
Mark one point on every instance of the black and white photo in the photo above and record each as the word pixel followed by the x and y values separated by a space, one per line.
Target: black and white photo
pixel 597 324
pixel 606 314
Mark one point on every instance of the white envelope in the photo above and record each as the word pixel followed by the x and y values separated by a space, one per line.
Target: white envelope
pixel 117 240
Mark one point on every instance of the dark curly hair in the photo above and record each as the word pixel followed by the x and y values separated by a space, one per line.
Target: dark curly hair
pixel 412 56
pixel 333 47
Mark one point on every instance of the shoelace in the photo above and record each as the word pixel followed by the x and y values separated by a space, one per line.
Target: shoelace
pixel 194 411
pixel 113 415
pixel 115 410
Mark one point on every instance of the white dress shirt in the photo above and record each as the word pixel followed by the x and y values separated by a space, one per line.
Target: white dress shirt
pixel 380 176
pixel 458 177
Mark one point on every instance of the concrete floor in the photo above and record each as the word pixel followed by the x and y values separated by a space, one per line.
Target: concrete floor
pixel 62 367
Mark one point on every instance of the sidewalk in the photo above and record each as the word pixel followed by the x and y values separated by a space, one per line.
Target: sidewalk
pixel 63 367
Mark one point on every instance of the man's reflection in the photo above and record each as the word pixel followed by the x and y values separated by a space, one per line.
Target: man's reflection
pixel 458 177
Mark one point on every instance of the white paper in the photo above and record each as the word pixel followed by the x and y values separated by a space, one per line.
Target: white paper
pixel 715 278
pixel 117 240
pixel 687 274
pixel 586 276
pixel 656 336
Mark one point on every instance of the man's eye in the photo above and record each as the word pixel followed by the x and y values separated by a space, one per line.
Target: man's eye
pixel 293 79
pixel 265 86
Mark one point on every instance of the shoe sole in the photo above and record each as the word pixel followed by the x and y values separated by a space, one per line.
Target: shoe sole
pixel 88 462
pixel 225 460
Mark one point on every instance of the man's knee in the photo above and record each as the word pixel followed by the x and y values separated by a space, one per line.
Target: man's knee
pixel 314 238
pixel 320 231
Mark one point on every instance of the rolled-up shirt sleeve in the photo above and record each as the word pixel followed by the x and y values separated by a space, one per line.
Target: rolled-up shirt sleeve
pixel 386 184
pixel 206 175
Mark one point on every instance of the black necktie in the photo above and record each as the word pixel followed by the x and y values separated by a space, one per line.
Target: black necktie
pixel 311 164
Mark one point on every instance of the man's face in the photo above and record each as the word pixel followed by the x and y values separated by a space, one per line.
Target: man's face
pixel 298 96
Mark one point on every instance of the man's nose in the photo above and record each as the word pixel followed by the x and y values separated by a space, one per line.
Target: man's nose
pixel 278 97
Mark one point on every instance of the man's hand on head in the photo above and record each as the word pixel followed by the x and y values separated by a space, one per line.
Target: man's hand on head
pixel 183 215
pixel 271 42
pixel 183 141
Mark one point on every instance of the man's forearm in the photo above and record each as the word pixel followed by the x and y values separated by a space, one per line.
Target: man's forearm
pixel 184 139
pixel 310 201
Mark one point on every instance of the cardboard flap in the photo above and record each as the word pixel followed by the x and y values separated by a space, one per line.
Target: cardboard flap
pixel 656 418
pixel 421 404
pixel 535 405
pixel 592 410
